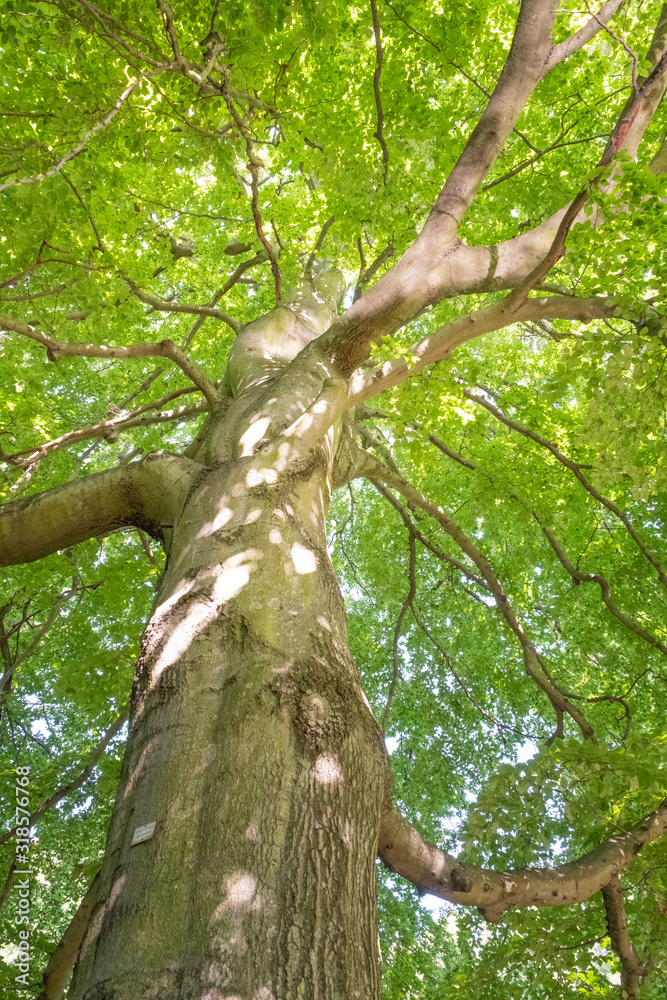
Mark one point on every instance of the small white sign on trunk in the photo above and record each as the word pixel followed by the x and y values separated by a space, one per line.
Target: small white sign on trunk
pixel 143 833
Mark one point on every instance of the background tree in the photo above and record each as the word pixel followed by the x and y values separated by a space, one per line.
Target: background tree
pixel 240 245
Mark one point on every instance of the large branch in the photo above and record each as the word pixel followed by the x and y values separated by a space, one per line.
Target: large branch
pixel 525 66
pixel 438 265
pixel 512 261
pixel 57 349
pixel 144 494
pixel 405 851
pixel 531 57
pixel 439 345
pixel 585 34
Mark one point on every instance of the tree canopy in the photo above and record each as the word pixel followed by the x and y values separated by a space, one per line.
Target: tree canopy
pixel 167 174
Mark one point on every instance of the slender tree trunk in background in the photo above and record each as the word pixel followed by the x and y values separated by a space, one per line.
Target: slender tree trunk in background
pixel 253 750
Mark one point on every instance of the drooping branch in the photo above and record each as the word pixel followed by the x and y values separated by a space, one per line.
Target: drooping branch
pixel 415 534
pixel 533 666
pixel 579 577
pixel 448 660
pixel 632 968
pixel 400 509
pixel 143 494
pixel 576 470
pixel 57 349
pixel 405 851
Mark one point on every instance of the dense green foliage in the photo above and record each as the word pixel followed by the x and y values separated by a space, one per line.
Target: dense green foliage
pixel 159 198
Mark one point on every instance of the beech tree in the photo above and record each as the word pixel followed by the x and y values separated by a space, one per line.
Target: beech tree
pixel 311 305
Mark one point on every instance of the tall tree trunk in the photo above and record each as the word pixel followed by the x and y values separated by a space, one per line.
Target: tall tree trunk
pixel 253 750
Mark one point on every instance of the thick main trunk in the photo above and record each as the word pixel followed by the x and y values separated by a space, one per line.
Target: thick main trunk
pixel 253 750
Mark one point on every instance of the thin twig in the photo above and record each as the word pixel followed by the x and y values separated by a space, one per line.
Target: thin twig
pixel 576 469
pixel 307 271
pixel 407 603
pixel 72 786
pixel 379 53
pixel 161 305
pixel 253 166
pixel 100 245
pixel 110 429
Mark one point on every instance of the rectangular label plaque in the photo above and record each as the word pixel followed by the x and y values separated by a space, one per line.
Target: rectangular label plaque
pixel 143 833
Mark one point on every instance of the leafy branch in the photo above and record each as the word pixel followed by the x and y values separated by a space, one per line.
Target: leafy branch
pixel 81 145
pixel 57 349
